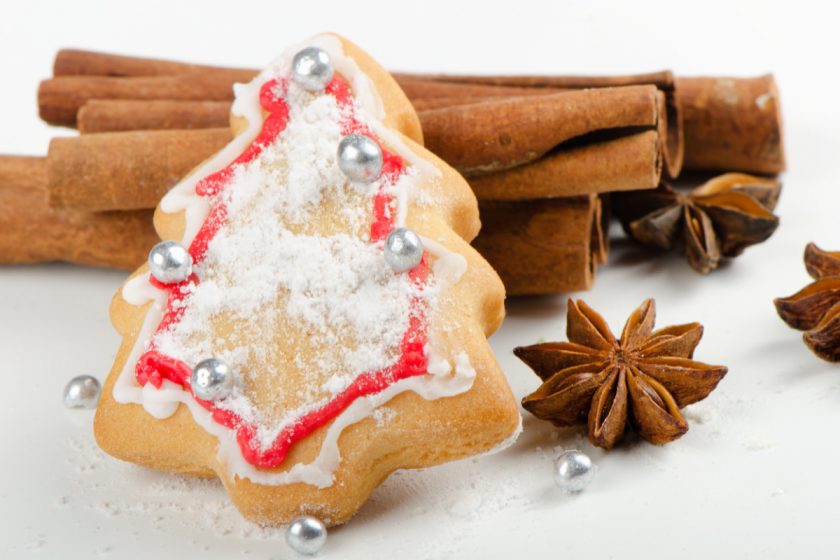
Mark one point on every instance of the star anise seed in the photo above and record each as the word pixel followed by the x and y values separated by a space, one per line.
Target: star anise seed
pixel 716 220
pixel 815 309
pixel 642 378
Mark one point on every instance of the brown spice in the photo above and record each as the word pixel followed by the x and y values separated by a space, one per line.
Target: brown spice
pixel 717 220
pixel 645 376
pixel 816 308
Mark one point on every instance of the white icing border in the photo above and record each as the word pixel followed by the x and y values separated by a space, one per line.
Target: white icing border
pixel 441 381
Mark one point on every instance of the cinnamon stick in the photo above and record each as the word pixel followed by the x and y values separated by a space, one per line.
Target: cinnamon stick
pixel 543 246
pixel 424 89
pixel 125 170
pixel 499 134
pixel 119 115
pixel 75 62
pixel 33 232
pixel 673 146
pixel 59 99
pixel 663 79
pixel 733 124
pixel 624 163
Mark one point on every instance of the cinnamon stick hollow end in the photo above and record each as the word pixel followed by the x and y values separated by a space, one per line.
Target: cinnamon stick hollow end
pixel 546 246
pixel 732 124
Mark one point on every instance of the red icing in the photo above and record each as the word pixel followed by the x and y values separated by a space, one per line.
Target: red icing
pixel 153 366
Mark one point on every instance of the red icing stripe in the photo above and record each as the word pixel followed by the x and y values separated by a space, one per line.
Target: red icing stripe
pixel 153 366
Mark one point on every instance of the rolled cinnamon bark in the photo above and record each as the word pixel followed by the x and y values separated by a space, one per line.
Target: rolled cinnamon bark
pixel 732 124
pixel 59 99
pixel 625 163
pixel 33 232
pixel 663 79
pixel 120 115
pixel 499 134
pixel 125 170
pixel 75 62
pixel 424 89
pixel 672 121
pixel 543 246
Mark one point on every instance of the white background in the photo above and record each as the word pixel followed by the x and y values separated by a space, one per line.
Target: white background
pixel 756 476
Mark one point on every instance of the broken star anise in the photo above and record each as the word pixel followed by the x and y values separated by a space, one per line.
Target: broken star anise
pixel 645 376
pixel 716 220
pixel 815 309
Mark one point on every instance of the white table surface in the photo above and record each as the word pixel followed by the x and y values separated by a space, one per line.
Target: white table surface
pixel 756 475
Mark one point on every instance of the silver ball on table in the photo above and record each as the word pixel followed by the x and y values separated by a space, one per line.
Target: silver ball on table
pixel 312 69
pixel 170 262
pixel 306 534
pixel 573 471
pixel 82 392
pixel 360 158
pixel 211 380
pixel 403 249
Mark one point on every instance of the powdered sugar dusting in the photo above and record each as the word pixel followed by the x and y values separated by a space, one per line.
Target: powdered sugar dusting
pixel 292 295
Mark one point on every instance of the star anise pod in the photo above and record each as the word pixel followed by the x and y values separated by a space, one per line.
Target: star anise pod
pixel 645 376
pixel 716 220
pixel 815 309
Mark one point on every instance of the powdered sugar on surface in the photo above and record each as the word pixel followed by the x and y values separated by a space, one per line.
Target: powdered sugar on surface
pixel 292 295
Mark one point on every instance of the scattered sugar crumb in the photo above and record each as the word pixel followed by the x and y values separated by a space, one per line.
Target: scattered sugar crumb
pixel 383 416
pixel 155 500
pixel 758 445
pixel 38 542
pixel 701 413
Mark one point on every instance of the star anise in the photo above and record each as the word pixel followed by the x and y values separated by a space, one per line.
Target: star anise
pixel 718 219
pixel 646 376
pixel 815 309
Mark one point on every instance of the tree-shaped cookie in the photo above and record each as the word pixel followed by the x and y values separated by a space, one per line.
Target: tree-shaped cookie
pixel 316 318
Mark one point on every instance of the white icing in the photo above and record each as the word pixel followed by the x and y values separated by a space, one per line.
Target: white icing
pixel 441 381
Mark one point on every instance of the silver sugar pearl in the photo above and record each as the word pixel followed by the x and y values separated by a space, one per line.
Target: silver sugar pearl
pixel 306 534
pixel 211 380
pixel 403 249
pixel 573 471
pixel 170 262
pixel 312 69
pixel 360 158
pixel 82 392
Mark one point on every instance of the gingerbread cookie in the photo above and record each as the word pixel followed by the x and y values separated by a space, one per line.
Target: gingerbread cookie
pixel 321 320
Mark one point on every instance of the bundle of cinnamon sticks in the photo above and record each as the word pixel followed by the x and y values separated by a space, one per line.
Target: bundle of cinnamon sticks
pixel 538 151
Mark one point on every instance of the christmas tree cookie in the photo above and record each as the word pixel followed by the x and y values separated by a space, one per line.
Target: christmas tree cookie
pixel 315 317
